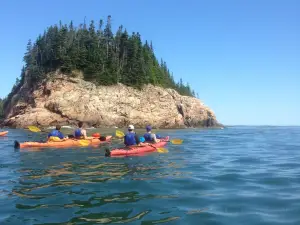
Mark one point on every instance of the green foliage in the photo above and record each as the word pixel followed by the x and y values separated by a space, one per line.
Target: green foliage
pixel 103 57
pixel 1 108
pixel 18 84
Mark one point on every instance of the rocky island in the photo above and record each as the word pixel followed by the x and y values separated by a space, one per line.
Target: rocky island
pixel 105 80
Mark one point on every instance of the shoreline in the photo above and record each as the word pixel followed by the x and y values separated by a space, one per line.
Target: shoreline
pixel 117 128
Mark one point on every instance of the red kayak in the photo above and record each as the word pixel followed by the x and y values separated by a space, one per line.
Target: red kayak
pixel 137 150
pixel 3 133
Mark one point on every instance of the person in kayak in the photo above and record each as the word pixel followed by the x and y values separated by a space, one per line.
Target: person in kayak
pixel 80 133
pixel 56 133
pixel 132 139
pixel 150 137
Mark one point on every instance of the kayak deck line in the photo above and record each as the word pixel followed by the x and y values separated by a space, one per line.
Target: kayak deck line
pixel 137 150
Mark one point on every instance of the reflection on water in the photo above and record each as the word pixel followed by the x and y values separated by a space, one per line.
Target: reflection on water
pixel 65 181
pixel 76 173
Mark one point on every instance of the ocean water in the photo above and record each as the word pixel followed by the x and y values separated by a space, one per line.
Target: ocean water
pixel 231 176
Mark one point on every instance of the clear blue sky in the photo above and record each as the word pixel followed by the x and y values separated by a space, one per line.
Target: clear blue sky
pixel 242 57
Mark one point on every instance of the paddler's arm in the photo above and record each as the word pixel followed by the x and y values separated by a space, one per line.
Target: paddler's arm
pixel 48 136
pixel 154 138
pixel 83 132
pixel 61 136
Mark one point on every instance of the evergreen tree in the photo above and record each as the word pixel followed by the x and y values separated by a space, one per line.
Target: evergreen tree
pixel 1 108
pixel 103 57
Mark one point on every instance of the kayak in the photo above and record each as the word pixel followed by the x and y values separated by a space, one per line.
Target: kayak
pixel 3 133
pixel 59 144
pixel 137 150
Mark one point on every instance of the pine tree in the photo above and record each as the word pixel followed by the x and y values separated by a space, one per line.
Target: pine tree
pixel 1 108
pixel 27 57
pixel 103 57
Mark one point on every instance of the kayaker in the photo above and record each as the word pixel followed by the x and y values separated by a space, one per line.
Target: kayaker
pixel 150 137
pixel 131 138
pixel 57 133
pixel 80 133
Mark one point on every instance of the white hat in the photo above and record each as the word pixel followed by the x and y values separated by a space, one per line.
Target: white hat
pixel 131 127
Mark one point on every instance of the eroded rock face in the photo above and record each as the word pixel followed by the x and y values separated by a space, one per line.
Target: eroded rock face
pixel 65 100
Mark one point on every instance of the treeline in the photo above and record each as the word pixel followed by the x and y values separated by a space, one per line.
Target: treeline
pixel 1 108
pixel 103 57
pixel 100 55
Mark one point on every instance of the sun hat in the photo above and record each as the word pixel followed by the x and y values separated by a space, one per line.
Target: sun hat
pixel 130 127
pixel 148 128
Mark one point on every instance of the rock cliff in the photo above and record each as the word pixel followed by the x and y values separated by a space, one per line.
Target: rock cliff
pixel 66 100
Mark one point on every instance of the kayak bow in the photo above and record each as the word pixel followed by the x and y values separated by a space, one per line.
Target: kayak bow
pixel 3 133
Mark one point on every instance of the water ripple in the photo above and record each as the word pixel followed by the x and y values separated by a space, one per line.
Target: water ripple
pixel 239 175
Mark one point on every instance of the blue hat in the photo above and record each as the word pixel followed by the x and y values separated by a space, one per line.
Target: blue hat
pixel 158 136
pixel 148 128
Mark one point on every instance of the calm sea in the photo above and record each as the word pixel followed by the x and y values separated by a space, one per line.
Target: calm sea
pixel 231 176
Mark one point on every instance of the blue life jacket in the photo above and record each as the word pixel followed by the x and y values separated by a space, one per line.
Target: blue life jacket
pixel 158 136
pixel 56 133
pixel 148 137
pixel 77 133
pixel 129 139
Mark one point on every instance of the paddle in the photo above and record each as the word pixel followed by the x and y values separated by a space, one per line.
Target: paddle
pixel 36 129
pixel 120 134
pixel 161 150
pixel 176 141
pixel 84 142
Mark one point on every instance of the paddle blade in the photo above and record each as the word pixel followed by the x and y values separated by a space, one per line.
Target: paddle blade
pixel 54 139
pixel 176 141
pixel 119 134
pixel 34 129
pixel 162 150
pixel 84 142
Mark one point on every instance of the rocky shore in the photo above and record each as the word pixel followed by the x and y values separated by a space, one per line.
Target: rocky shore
pixel 65 100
